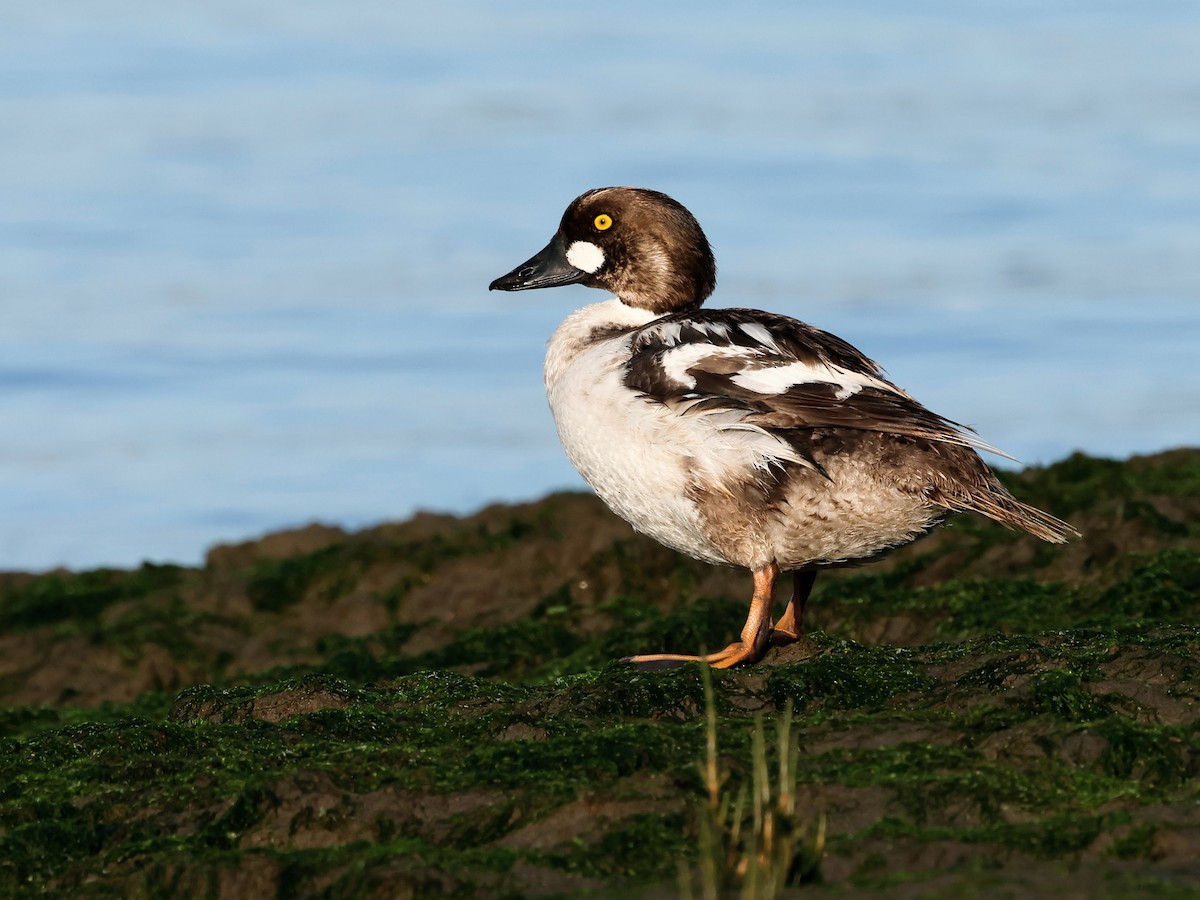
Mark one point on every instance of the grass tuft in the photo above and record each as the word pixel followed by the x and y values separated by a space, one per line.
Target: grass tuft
pixel 753 840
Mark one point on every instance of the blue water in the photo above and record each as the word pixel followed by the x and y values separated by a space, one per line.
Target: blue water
pixel 244 248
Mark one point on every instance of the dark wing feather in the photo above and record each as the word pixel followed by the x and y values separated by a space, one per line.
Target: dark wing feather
pixel 778 373
pixel 789 340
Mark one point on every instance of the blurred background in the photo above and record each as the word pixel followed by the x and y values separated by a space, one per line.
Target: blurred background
pixel 245 247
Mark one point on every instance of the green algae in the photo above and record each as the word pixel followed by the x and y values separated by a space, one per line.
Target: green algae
pixel 1037 717
pixel 26 721
pixel 60 596
pixel 1163 587
pixel 646 848
pixel 1052 838
pixel 847 676
pixel 1159 759
pixel 274 585
pixel 442 732
pixel 1080 481
pixel 540 647
pixel 1061 693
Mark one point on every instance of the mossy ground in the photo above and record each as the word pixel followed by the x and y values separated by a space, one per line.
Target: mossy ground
pixel 433 707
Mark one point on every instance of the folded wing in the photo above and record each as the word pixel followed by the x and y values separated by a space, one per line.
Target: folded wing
pixel 751 369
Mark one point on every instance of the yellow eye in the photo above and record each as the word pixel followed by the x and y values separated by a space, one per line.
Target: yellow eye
pixel 602 222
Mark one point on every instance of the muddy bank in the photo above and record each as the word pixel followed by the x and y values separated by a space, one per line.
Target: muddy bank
pixel 432 707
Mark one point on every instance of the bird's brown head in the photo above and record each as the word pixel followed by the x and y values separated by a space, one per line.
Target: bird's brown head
pixel 639 244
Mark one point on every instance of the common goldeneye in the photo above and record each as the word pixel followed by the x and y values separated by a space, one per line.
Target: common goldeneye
pixel 738 436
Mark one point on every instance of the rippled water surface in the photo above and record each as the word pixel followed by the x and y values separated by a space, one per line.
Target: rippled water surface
pixel 244 248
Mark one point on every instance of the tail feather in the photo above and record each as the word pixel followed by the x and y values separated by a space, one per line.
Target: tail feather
pixel 1016 514
pixel 999 505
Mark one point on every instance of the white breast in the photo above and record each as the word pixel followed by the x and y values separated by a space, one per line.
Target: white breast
pixel 640 457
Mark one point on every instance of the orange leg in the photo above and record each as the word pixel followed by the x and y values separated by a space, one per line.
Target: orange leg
pixel 756 632
pixel 790 626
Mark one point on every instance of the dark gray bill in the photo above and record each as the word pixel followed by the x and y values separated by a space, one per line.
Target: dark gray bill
pixel 547 269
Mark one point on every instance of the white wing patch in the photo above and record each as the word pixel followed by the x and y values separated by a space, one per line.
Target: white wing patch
pixel 680 358
pixel 780 379
pixel 757 373
pixel 756 331
pixel 670 333
pixel 712 329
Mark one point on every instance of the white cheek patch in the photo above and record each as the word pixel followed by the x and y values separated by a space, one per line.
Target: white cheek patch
pixel 585 256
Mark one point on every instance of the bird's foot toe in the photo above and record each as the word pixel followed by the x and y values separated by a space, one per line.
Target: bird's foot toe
pixel 735 654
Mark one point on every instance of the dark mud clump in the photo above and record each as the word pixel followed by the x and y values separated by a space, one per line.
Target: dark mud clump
pixel 433 707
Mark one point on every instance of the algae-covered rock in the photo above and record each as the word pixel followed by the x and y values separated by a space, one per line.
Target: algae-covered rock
pixel 434 708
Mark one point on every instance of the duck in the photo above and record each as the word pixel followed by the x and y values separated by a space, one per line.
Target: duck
pixel 739 437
